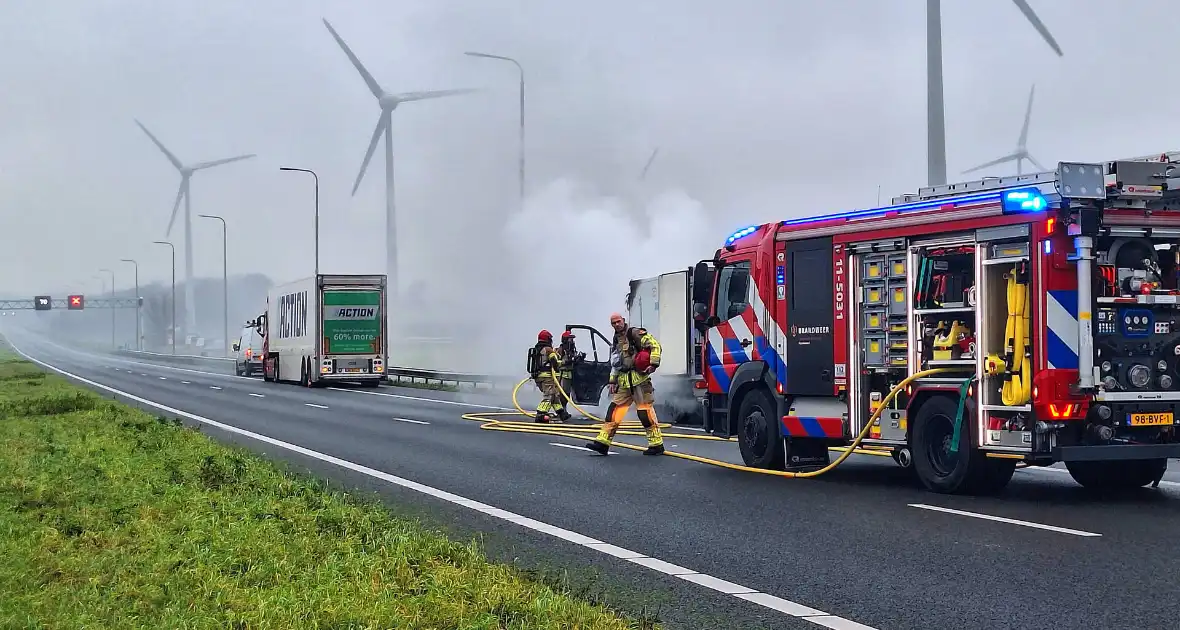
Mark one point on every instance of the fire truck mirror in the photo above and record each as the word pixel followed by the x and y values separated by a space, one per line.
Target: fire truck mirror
pixel 700 311
pixel 702 282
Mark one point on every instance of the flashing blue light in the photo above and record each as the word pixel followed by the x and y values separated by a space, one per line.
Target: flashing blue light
pixel 744 232
pixel 1027 200
pixel 905 207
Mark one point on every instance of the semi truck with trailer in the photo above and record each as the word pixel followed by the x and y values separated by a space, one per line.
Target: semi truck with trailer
pixel 329 328
pixel 1027 319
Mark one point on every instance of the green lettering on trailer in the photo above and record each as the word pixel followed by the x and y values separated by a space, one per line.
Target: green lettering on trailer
pixel 352 322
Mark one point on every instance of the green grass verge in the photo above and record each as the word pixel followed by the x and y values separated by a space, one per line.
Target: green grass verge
pixel 112 518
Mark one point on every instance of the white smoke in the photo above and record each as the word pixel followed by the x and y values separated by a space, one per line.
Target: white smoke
pixel 570 256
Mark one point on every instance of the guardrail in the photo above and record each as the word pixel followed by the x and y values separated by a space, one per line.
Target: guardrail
pixel 394 374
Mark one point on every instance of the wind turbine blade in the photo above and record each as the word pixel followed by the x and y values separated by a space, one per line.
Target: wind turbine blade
pixel 197 167
pixel 180 192
pixel 167 153
pixel 1039 25
pixel 406 97
pixel 369 80
pixel 382 122
pixel 1006 158
pixel 1035 162
pixel 1027 116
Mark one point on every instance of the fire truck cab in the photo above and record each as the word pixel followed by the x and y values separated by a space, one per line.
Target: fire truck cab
pixel 964 329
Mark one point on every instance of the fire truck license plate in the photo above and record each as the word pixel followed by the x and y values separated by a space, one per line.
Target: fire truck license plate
pixel 1150 419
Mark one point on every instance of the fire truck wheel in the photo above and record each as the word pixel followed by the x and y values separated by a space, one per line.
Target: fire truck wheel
pixel 966 471
pixel 1116 475
pixel 760 437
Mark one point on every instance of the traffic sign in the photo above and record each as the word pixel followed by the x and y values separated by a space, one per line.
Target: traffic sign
pixel 76 302
pixel 42 303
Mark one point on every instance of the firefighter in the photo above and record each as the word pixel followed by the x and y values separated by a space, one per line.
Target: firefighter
pixel 543 361
pixel 570 356
pixel 635 354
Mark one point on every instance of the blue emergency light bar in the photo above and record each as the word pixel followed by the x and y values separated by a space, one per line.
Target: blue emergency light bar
pixel 1025 200
pixel 742 233
pixel 1012 201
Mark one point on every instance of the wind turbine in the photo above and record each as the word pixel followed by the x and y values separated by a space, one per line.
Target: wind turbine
pixel 1021 154
pixel 186 173
pixel 935 121
pixel 388 102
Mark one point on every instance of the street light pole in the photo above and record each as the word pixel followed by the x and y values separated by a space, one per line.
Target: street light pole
pixel 521 69
pixel 113 309
pixel 173 248
pixel 224 278
pixel 138 334
pixel 317 212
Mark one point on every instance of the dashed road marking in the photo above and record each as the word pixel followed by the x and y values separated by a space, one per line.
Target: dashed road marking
pixel 214 387
pixel 578 448
pixel 163 378
pixel 185 383
pixel 421 398
pixel 1002 519
pixel 257 395
pixel 411 421
pixel 765 600
pixel 316 406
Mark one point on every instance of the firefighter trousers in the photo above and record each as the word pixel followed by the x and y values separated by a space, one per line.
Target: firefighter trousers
pixel 551 403
pixel 642 395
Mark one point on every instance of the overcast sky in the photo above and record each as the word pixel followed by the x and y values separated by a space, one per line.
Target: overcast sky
pixel 762 109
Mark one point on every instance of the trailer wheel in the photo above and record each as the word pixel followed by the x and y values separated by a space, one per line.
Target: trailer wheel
pixel 760 436
pixel 966 471
pixel 1117 475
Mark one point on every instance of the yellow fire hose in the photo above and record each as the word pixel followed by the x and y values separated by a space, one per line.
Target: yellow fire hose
pixel 490 422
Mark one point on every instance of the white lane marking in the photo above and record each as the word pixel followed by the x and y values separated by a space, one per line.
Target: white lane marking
pixel 163 378
pixel 214 387
pixel 142 374
pixel 1044 469
pixel 248 378
pixel 411 421
pixel 578 448
pixel 433 400
pixel 185 383
pixel 316 406
pixel 258 395
pixel 762 599
pixel 1001 519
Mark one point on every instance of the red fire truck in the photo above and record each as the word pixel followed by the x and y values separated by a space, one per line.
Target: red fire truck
pixel 1050 301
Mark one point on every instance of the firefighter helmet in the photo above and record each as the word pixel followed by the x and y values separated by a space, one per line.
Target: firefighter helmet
pixel 545 336
pixel 567 335
pixel 642 360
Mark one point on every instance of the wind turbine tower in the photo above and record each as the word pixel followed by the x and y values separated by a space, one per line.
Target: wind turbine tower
pixel 1021 153
pixel 935 120
pixel 186 173
pixel 388 102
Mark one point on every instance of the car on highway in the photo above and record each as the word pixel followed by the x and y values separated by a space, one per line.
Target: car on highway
pixel 248 352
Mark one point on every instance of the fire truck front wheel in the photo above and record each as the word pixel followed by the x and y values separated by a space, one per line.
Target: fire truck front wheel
pixel 760 436
pixel 964 470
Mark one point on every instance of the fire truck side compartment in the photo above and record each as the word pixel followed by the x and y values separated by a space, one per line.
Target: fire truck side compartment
pixel 810 315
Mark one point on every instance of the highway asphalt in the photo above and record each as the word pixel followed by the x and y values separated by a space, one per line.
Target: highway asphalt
pixel 865 544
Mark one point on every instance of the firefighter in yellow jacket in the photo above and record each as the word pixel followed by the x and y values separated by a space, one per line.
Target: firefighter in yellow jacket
pixel 569 358
pixel 543 362
pixel 634 356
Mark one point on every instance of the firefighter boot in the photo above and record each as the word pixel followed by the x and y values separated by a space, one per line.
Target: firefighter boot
pixel 601 442
pixel 563 415
pixel 542 417
pixel 655 439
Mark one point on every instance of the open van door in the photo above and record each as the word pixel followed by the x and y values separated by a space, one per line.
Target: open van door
pixel 592 374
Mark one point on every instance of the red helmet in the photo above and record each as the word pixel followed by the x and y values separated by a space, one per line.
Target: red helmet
pixel 567 335
pixel 545 336
pixel 642 360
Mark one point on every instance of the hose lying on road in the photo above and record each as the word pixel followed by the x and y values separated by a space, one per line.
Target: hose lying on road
pixel 490 421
